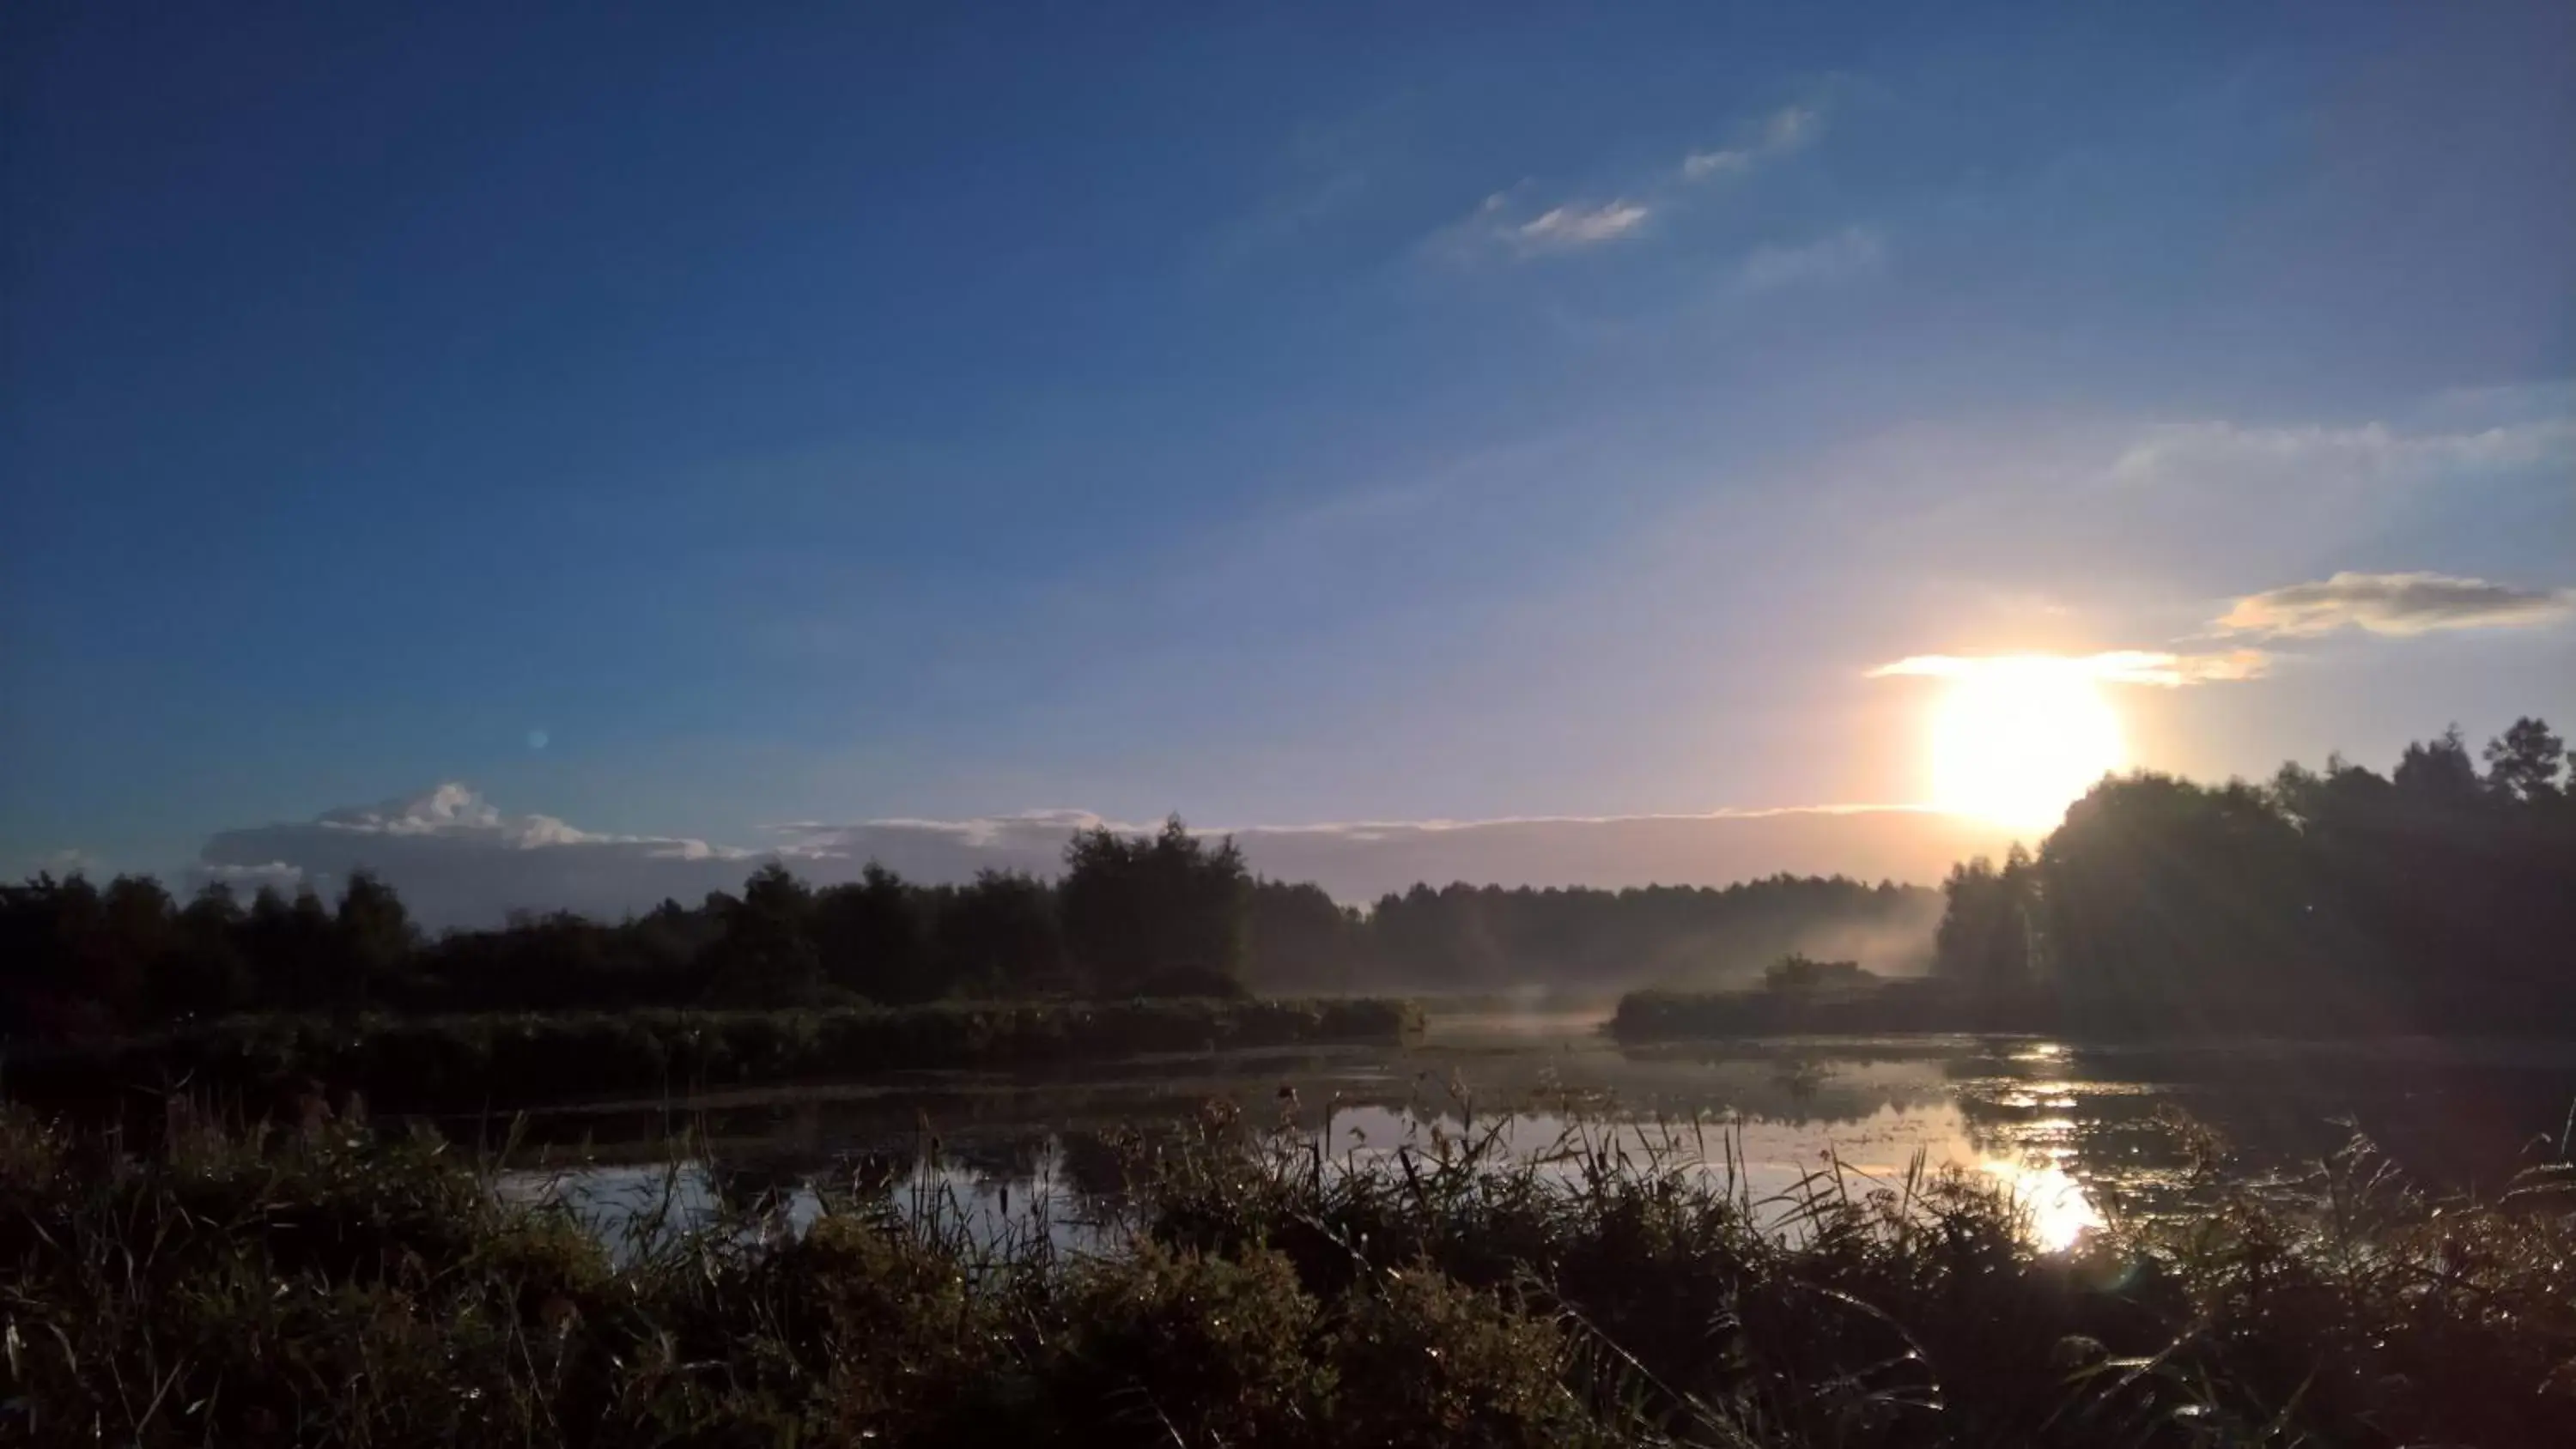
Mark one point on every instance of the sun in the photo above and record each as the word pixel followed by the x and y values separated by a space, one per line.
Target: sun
pixel 2020 740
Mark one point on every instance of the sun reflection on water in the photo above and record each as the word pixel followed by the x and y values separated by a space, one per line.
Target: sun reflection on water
pixel 2059 1209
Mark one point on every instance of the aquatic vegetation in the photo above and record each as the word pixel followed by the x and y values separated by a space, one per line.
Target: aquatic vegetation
pixel 505 1061
pixel 340 1285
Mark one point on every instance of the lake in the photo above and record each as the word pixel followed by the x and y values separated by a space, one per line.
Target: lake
pixel 2074 1130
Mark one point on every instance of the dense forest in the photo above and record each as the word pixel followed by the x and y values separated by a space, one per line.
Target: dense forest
pixel 2439 896
pixel 1169 914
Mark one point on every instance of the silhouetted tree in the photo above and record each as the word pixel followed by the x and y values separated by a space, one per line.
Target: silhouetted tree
pixel 2523 763
pixel 2434 898
pixel 999 935
pixel 1301 939
pixel 873 938
pixel 60 973
pixel 2438 770
pixel 375 938
pixel 1135 908
pixel 1483 938
pixel 209 974
pixel 1989 932
pixel 2334 901
pixel 293 951
pixel 766 954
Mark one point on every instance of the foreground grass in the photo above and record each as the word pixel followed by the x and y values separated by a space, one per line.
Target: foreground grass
pixel 331 1287
pixel 505 1061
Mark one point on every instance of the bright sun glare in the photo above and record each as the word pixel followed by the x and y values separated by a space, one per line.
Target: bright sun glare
pixel 2020 741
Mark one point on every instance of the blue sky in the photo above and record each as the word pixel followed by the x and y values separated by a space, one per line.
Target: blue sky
pixel 1318 414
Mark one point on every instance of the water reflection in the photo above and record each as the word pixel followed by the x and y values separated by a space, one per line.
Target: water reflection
pixel 636 1207
pixel 2058 1208
pixel 1009 1195
pixel 2075 1132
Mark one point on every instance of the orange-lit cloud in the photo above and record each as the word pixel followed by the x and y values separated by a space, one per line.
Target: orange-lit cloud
pixel 2158 668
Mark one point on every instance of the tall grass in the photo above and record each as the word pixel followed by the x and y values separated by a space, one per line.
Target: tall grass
pixel 336 1286
pixel 504 1061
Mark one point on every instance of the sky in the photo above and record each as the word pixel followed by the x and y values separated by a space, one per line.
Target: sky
pixel 583 440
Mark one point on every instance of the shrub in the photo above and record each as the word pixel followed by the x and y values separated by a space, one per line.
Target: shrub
pixel 1424 1360
pixel 1167 1344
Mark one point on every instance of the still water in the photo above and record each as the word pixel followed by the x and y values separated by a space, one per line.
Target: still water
pixel 2074 1131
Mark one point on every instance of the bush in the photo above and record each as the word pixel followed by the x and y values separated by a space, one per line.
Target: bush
pixel 1424 1360
pixel 1172 1345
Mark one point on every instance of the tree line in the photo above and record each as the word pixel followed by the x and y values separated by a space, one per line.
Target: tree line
pixel 1468 938
pixel 2439 896
pixel 1165 914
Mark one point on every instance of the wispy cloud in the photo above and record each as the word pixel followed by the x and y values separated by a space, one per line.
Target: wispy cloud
pixel 1514 225
pixel 1580 226
pixel 2401 605
pixel 2366 449
pixel 1784 131
pixel 1852 251
pixel 1502 225
pixel 2157 668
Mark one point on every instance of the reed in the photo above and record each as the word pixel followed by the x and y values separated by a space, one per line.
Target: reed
pixel 340 1285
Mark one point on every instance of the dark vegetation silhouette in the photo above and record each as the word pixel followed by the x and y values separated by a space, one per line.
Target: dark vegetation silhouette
pixel 1164 915
pixel 2439 898
pixel 342 1286
pixel 1469 938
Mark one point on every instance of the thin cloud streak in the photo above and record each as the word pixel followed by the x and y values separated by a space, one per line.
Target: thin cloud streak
pixel 1500 226
pixel 2366 450
pixel 2159 669
pixel 1788 129
pixel 1575 226
pixel 1503 223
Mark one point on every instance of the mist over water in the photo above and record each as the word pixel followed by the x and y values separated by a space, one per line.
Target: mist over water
pixel 2075 1132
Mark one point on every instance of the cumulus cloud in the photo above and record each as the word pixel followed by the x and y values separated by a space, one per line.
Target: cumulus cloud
pixel 460 861
pixel 1784 131
pixel 2395 604
pixel 1853 251
pixel 456 812
pixel 2157 668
